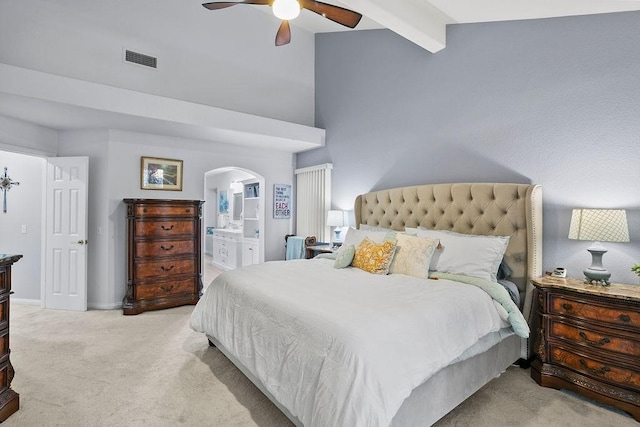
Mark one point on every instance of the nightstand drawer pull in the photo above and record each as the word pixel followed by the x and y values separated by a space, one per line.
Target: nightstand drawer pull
pixel 165 248
pixel 601 371
pixel 166 288
pixel 566 306
pixel 625 318
pixel 167 229
pixel 163 268
pixel 602 342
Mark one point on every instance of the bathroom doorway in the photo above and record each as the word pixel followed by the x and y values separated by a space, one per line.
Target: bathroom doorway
pixel 233 217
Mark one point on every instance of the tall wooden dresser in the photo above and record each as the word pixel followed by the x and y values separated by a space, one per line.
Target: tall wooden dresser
pixel 588 340
pixel 9 399
pixel 164 254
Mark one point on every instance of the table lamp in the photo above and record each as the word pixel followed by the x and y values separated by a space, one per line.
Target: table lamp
pixel 336 219
pixel 598 225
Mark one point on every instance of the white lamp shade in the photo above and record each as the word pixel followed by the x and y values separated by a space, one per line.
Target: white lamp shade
pixel 335 218
pixel 286 9
pixel 602 225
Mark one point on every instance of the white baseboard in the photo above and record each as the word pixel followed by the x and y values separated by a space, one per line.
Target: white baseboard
pixel 102 306
pixel 25 301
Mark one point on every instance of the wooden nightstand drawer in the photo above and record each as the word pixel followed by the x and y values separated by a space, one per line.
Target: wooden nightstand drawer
pixel 601 313
pixel 591 337
pixel 147 269
pixel 164 210
pixel 594 368
pixel 164 228
pixel 165 248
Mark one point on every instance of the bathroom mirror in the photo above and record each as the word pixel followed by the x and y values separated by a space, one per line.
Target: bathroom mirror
pixel 237 206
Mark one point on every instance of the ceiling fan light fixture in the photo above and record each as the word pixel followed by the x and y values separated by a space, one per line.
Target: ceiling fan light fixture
pixel 286 9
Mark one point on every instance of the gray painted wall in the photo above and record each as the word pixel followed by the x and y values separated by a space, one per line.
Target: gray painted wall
pixel 554 102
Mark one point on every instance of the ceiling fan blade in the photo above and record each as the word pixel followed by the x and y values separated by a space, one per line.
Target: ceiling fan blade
pixel 215 5
pixel 284 34
pixel 338 14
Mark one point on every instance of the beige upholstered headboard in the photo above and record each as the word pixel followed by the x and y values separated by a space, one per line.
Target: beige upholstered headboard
pixel 499 209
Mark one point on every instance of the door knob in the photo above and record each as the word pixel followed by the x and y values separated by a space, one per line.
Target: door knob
pixel 82 242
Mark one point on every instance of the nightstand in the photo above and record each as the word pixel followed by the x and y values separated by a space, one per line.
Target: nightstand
pixel 314 250
pixel 588 340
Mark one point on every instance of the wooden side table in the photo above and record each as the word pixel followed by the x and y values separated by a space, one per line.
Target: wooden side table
pixel 588 340
pixel 9 399
pixel 314 250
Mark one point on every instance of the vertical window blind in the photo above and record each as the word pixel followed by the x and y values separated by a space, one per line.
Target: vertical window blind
pixel 313 200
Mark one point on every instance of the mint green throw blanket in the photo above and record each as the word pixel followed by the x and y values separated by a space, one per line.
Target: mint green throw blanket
pixel 495 291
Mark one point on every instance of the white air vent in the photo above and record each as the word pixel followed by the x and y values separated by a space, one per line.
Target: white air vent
pixel 140 59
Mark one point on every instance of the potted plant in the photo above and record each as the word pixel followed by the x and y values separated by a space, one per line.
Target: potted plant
pixel 636 269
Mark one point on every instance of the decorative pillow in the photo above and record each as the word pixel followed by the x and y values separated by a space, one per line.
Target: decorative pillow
pixel 344 257
pixel 413 255
pixel 374 257
pixel 355 237
pixel 467 254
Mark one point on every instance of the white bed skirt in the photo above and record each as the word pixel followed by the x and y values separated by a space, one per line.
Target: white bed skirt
pixel 437 396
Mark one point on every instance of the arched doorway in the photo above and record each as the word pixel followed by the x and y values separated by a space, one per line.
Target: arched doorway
pixel 234 217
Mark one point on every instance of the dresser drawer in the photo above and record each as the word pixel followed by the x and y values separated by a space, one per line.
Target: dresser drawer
pixel 594 368
pixel 159 290
pixel 165 248
pixel 4 311
pixel 4 280
pixel 618 315
pixel 164 228
pixel 143 210
pixel 594 338
pixel 145 269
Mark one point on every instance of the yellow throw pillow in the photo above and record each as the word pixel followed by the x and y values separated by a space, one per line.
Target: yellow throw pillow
pixel 413 255
pixel 374 257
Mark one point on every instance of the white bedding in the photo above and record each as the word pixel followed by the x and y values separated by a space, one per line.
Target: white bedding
pixel 342 347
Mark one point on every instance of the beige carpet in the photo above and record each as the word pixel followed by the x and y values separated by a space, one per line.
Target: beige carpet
pixel 100 368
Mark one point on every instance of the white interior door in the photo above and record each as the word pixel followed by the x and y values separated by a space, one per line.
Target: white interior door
pixel 66 233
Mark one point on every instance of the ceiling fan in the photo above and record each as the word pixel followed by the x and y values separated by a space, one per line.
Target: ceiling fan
pixel 290 9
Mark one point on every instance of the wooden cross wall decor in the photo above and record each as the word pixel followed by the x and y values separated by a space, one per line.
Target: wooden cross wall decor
pixel 5 184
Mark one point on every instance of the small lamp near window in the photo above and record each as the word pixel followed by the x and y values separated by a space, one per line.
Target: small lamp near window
pixel 336 219
pixel 598 225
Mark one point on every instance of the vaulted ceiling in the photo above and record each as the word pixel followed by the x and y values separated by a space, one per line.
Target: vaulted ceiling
pixel 423 22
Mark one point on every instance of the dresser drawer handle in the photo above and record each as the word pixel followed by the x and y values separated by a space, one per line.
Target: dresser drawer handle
pixel 167 229
pixel 567 307
pixel 625 318
pixel 188 210
pixel 163 268
pixel 166 288
pixel 601 371
pixel 602 342
pixel 166 249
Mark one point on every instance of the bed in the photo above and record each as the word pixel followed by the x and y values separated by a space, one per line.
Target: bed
pixel 340 346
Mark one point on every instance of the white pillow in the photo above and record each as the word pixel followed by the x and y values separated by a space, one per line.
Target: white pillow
pixel 467 254
pixel 413 255
pixel 355 237
pixel 365 227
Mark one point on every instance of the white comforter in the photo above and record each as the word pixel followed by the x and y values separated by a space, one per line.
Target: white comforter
pixel 342 347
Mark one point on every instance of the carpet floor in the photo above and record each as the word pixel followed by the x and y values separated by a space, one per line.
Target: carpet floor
pixel 100 368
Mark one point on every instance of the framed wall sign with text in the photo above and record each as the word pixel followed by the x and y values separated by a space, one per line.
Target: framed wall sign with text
pixel 281 201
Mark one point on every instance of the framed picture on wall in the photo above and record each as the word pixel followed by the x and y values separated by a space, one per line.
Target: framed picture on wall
pixel 160 174
pixel 223 202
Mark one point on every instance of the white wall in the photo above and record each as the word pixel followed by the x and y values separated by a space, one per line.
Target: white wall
pixel 203 56
pixel 24 205
pixel 115 156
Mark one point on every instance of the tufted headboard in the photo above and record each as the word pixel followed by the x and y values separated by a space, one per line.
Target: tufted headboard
pixel 499 209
